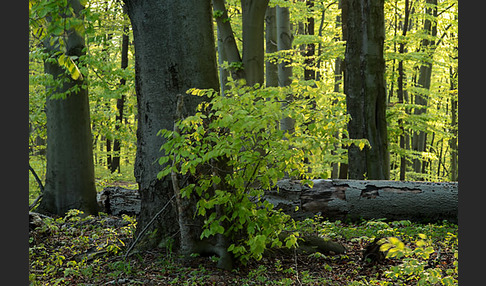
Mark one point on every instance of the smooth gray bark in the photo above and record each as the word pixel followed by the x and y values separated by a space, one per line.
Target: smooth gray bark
pixel 227 48
pixel 271 68
pixel 70 170
pixel 284 43
pixel 174 51
pixel 253 14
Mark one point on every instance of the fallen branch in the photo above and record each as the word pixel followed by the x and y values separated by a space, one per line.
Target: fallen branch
pixel 140 235
pixel 41 186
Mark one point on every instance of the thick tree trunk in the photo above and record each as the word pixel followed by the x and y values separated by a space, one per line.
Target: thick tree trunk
pixel 364 86
pixel 374 199
pixel 173 52
pixel 70 170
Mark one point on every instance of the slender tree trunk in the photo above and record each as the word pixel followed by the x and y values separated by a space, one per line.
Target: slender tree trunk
pixel 402 98
pixel 120 102
pixel 364 86
pixel 309 66
pixel 343 167
pixel 424 80
pixel 227 48
pixel 271 68
pixel 454 125
pixel 253 12
pixel 70 169
pixel 108 153
pixel 173 52
pixel 338 75
pixel 284 43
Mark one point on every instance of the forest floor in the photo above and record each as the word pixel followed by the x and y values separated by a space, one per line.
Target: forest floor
pixel 89 250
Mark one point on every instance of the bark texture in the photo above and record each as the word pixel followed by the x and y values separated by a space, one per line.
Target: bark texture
pixel 174 51
pixel 364 86
pixel 70 170
pixel 419 139
pixel 373 199
pixel 118 201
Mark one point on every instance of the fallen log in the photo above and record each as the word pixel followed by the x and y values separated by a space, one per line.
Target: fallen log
pixel 117 201
pixel 370 199
pixel 335 200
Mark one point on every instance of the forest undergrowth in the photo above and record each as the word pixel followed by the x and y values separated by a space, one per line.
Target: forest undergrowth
pixel 90 250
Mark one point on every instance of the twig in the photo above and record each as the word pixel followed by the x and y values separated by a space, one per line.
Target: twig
pixel 146 227
pixel 41 186
pixel 296 267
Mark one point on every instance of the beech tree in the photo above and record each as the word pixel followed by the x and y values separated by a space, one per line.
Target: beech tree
pixel 364 86
pixel 173 52
pixel 70 169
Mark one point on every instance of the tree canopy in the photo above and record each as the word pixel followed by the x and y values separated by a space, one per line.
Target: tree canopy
pixel 428 39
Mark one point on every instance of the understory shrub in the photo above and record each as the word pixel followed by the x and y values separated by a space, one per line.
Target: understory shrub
pixel 234 149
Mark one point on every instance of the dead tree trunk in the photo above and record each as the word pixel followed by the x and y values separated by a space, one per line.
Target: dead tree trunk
pixel 373 199
pixel 342 199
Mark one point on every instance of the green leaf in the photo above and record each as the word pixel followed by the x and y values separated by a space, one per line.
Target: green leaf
pixel 70 65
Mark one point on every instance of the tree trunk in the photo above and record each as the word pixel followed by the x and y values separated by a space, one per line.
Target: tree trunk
pixel 309 71
pixel 338 75
pixel 424 80
pixel 347 199
pixel 173 52
pixel 453 140
pixel 70 170
pixel 402 98
pixel 227 48
pixel 120 102
pixel 253 12
pixel 364 86
pixel 373 199
pixel 284 43
pixel 271 68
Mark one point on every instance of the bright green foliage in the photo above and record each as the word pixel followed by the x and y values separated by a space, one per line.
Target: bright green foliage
pixel 242 129
pixel 75 247
pixel 415 266
pixel 103 23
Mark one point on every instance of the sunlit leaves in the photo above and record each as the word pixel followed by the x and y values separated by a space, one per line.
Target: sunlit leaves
pixel 68 63
pixel 242 130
